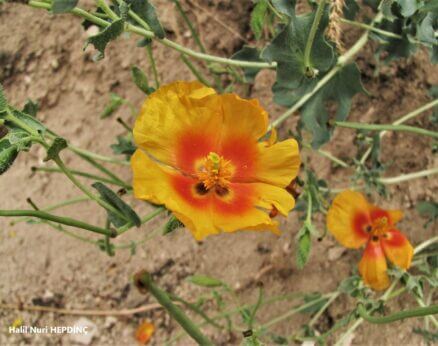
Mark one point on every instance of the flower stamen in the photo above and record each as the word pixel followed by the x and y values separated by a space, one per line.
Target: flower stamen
pixel 215 172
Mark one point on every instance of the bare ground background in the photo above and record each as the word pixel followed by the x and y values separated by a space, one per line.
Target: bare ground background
pixel 41 57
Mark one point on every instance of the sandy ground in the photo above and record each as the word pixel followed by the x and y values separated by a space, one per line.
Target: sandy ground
pixel 41 57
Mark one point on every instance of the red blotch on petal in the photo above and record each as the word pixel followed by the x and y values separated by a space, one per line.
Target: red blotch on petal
pixel 377 213
pixel 361 221
pixel 192 146
pixel 242 152
pixel 238 201
pixel 185 187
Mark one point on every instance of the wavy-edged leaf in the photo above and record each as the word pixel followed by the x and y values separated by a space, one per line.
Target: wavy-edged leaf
pixel 113 199
pixel 62 6
pixel 100 41
pixel 287 49
pixel 286 7
pixel 248 53
pixel 147 12
pixel 11 143
pixel 28 120
pixel 57 146
pixel 124 146
pixel 31 108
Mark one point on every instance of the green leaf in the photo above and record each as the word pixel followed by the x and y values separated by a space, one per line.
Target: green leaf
pixel 407 7
pixel 113 199
pixel 141 80
pixel 28 120
pixel 286 7
pixel 3 101
pixel 287 49
pixel 351 8
pixel 62 6
pixel 56 147
pixel 314 307
pixel 31 108
pixel 101 40
pixel 258 18
pixel 115 102
pixel 340 89
pixel 205 281
pixel 172 224
pixel 248 54
pixel 303 248
pixel 11 143
pixel 125 146
pixel 428 210
pixel 147 12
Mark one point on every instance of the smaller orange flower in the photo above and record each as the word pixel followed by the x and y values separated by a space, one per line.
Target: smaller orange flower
pixel 144 332
pixel 354 222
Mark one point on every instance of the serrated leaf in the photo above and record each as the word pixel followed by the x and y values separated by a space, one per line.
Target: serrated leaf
pixel 258 18
pixel 287 49
pixel 141 80
pixel 57 146
pixel 172 224
pixel 114 200
pixel 115 102
pixel 11 143
pixel 31 108
pixel 147 12
pixel 205 281
pixel 124 146
pixel 3 101
pixel 248 54
pixel 62 6
pixel 428 210
pixel 100 41
pixel 303 248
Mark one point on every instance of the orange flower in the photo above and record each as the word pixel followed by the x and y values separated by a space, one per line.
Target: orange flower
pixel 354 222
pixel 199 154
pixel 144 332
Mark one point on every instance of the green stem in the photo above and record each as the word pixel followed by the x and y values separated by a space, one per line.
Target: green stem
pixel 144 281
pixel 58 219
pixel 53 207
pixel 195 71
pixel 328 155
pixel 190 26
pixel 323 308
pixel 81 174
pixel 149 34
pixel 409 176
pixel 95 198
pixel 417 312
pixel 89 154
pixel 153 65
pixel 386 127
pixel 371 28
pixel 145 219
pixel 104 170
pixel 309 44
pixel 402 120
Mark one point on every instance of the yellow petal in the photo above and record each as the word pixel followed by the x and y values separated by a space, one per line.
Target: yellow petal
pixel 346 218
pixel 372 266
pixel 397 249
pixel 242 118
pixel 279 163
pixel 171 117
